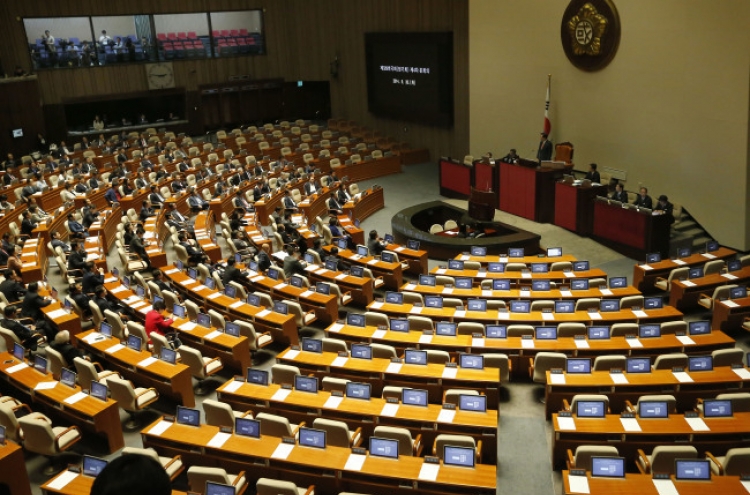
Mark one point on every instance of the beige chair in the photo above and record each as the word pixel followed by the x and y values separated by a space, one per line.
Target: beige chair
pixel 268 486
pixel 573 405
pixel 413 298
pixel 740 401
pixel 199 475
pixel 721 357
pixel 277 426
pixel 373 319
pixel 543 362
pixel 586 303
pixel 217 319
pixel 407 445
pixel 119 330
pixel 734 463
pixel 302 318
pixel 133 400
pixel 438 357
pixel 338 433
pixel 9 420
pixel 456 441
pixel 334 345
pixel 673 327
pixel 284 374
pixel 662 458
pixel 383 351
pixel 631 302
pixel 584 453
pixel 561 266
pixel 623 329
pixel 609 362
pixel 172 465
pixel 520 330
pixel 714 266
pixel 669 399
pixel 257 341
pixel 452 395
pixel 40 437
pixel 672 360
pixel 676 274
pixel 200 367
pixel 469 328
pixel 89 372
pixel 420 323
pixel 135 328
pixel 435 228
pixel 57 362
pixel 571 329
pixel 158 342
pixel 500 361
pixel 720 293
pixel 331 383
pixel 221 414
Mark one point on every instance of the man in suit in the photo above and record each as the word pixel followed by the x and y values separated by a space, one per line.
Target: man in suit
pixel 112 196
pixel 644 200
pixel 511 157
pixel 664 207
pixel 91 216
pixel 156 199
pixel 195 202
pixel 194 254
pixel 184 165
pixel 88 167
pixel 28 190
pixel 375 244
pixel 121 156
pixel 29 339
pixel 27 224
pixel 593 174
pixel 264 258
pixel 81 187
pixel 176 219
pixel 91 277
pixel 292 263
pixel 178 184
pixel 310 187
pixel 159 281
pixel 76 229
pixel 77 257
pixel 257 194
pixel 289 203
pixel 140 181
pixel 146 211
pixel 257 170
pixel 334 207
pixel 239 202
pixel 33 303
pixel 57 242
pixel 11 287
pixel 545 149
pixel 233 274
pixel 619 194
pixel 82 300
pixel 343 195
pixel 94 180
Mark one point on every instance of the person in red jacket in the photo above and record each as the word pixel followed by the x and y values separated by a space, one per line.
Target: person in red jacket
pixel 155 322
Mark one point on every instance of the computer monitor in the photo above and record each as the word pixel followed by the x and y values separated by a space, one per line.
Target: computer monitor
pixel 579 284
pixel 105 329
pixel 280 307
pixel 455 265
pixel 204 320
pixel 712 246
pixel 496 331
pixel 638 365
pixel 700 363
pixel 355 319
pixel 717 408
pixel 308 258
pixel 230 291
pixel 700 327
pixel 237 258
pixel 618 282
pixel 653 303
pixel 210 283
pixel 445 328
pixel 232 329
pixel 399 325
pixel 2 435
pixel 565 307
pixel 362 251
pixel 500 284
pixel 178 264
pixel 331 265
pixel 312 437
pixel 683 252
pixel 539 268
pixel 306 383
pixel 541 285
pixel 653 257
pixel 247 427
pixel 734 265
pixel 394 297
pixel 40 364
pixel 554 252
pixel 253 300
pixel 356 390
pixel 362 351
pixel 178 311
pixel 433 302
pixel 257 377
pixel 140 291
pixel 213 488
pixel 471 361
pixel 545 333
pixel 649 330
pixel 692 469
pixel 608 467
pixel 477 403
pixel 653 409
pixel 738 292
pixel 580 266
pixel 414 356
pixel 383 447
pixel 696 272
pixel 192 273
pixel 388 238
pixel 520 306
pixel 341 243
pixel 126 282
pixel 412 244
pixel 253 265
pixel 427 280
pixel 479 305
pixel 591 409
pixel 515 253
pixel 599 333
pixel 135 343
pixel 358 271
pixel 387 257
pixel 578 365
pixel 495 267
pixel 156 299
pixel 312 345
pixel 458 456
pixel 168 355
pixel 609 305
pixel 478 251
pixel 188 416
pixel 99 391
pixel 414 397
pixel 92 466
pixel 272 273
pixel 68 377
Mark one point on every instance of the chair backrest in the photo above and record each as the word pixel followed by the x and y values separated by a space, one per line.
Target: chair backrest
pixel 500 361
pixel 438 357
pixel 713 266
pixel 420 323
pixel 192 310
pixel 586 303
pixel 118 327
pixel 9 421
pixel 588 398
pixel 544 361
pixel 727 357
pixel 663 457
pixel 608 362
pixel 330 383
pixel 38 436
pixel 56 362
pixel 135 328
pixel 334 345
pixel 740 400
pixel 268 486
pixel 284 373
pixel 199 475
pixel 669 361
pixel 623 329
pixel 383 351
pixel 193 359
pixel 736 461
pixel 571 329
pixel 96 313
pixel 520 330
pixel 86 372
pixel 402 435
pixel 469 328
pixel 584 453
pixel 122 391
pixel 669 399
pixel 453 440
pixel 631 301
pixel 672 327
pixel 451 396
pixel 337 432
pixel 273 425
pixel 217 319
pixel 218 413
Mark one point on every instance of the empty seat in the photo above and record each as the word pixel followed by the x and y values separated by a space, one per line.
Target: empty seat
pixel 199 475
pixel 672 360
pixel 40 437
pixel 573 405
pixel 669 399
pixel 200 367
pixel 442 440
pixel 721 357
pixel 277 426
pixel 734 463
pixel 662 458
pixel 609 362
pixel 131 399
pixel 338 433
pixel 221 414
pixel 582 457
pixel 543 362
pixel 407 445
pixel 268 486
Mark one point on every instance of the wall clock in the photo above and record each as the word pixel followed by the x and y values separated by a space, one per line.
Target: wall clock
pixel 160 76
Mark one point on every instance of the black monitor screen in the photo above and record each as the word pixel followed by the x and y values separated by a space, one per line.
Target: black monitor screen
pixel 362 251
pixel 341 243
pixel 188 416
pixel 598 333
pixel 413 356
pixel 312 345
pixel 312 437
pixel 738 292
pixel 653 409
pixel 578 365
pixel 356 390
pixel 618 282
pixel 639 365
pixel 653 303
pixel 478 251
pixel 455 264
pixel 387 257
pixel 232 329
pixel 388 238
pixel 712 246
pixel 105 329
pixel 213 488
pixel 515 253
pixel 695 272
pixel 134 342
pixel 591 409
pixel 428 280
pixel 309 258
pixel 608 467
pixel 192 273
pixel 701 327
pixel 258 377
pixel 168 355
pixel 306 383
pixel 296 281
pixel 500 284
pixel 414 397
pixel 445 328
pixel 331 265
pixel 281 308
pixel 210 283
pixel 472 361
pixel 253 300
pixel 412 244
pixel 178 311
pixel 361 351
pixel 495 267
pixel 539 268
pixel 700 363
pixel 580 266
pixel 355 319
pixel 394 297
pixel 554 252
pixel 496 331
pixel 99 391
pixel 472 403
pixel 683 252
pixel 247 427
pixel 692 469
pixel 717 408
pixel 92 466
pixel 68 377
pixel 565 307
pixel 358 271
pixel 545 333
pixel 384 447
pixel 734 265
pixel 477 305
pixel 40 363
pixel 273 273
pixel 653 258
pixel 399 325
pixel 520 306
pixel 458 456
pixel 204 320
pixel 650 330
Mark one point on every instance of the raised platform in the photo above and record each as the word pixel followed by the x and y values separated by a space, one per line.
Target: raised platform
pixel 415 223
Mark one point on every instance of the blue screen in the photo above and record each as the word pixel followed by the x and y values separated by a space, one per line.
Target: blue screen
pixel 445 328
pixel 542 285
pixel 414 397
pixel 247 427
pixel 608 467
pixel 501 284
pixel 598 333
pixel 496 331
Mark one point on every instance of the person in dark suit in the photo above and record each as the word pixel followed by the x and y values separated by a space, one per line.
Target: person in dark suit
pixel 289 203
pixel 375 245
pixel 620 194
pixel 29 339
pixel 310 187
pixel 664 207
pixel 593 174
pixel 233 274
pixel 511 157
pixel 62 344
pixel 112 195
pixel 157 200
pixel 76 228
pixel 195 202
pixel 240 203
pixel 544 153
pixel 11 287
pixel 33 303
pixel 194 254
pixel 159 281
pixel 141 182
pixel 77 257
pixel 94 181
pixel 91 278
pixel 264 258
pixel 175 218
pixel 644 200
pixel 82 300
pixel 343 196
pixel 334 207
pixel 292 263
pixel 27 224
pixel 146 211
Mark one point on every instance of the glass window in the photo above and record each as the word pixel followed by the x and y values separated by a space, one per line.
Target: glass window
pixel 122 38
pixel 238 32
pixel 182 36
pixel 59 42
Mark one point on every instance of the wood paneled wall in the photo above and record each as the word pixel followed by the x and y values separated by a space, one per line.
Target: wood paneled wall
pixel 302 38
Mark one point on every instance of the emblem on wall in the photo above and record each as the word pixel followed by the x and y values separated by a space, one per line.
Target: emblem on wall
pixel 590 33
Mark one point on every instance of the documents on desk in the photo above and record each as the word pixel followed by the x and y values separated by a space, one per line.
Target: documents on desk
pixel 355 462
pixel 578 484
pixel 619 378
pixel 159 428
pixel 630 424
pixel 685 340
pixel 697 424
pixel 566 424
pixel 682 377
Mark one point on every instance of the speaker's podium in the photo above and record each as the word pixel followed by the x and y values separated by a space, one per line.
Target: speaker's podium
pixel 482 205
pixel 528 190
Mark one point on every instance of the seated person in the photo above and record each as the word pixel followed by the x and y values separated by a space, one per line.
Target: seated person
pixel 146 211
pixel 158 279
pixel 12 287
pixel 664 207
pixel 593 174
pixel 375 244
pixel 104 304
pixel 619 194
pixel 233 274
pixel 62 344
pixel 57 242
pixel 76 228
pixel 511 157
pixel 292 263
pixel 82 300
pixel 195 202
pixel 28 336
pixel 643 200
pixel 155 321
pixel 91 277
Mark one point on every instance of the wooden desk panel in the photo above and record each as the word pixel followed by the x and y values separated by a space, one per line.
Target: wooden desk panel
pixel 574 206
pixel 643 484
pixel 629 231
pixel 478 293
pixel 684 294
pixel 496 258
pixel 520 277
pixel 370 201
pixel 361 288
pixel 392 273
pixel 13 469
pixel 644 276
pixel 326 307
pixel 528 192
pixel 730 314
pixel 417 259
pixel 80 485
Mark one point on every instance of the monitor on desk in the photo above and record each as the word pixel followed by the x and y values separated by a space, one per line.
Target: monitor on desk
pixel 253 266
pixel 414 397
pixel 433 302
pixel 638 365
pixel 700 363
pixel 463 282
pixel 213 488
pixel 653 409
pixel 362 251
pixel 341 243
pixel 192 273
pixel 388 238
pixel 188 416
pixel 68 377
pixel 392 297
pixel 2 435
pixel 280 307
pixel 40 364
pixel 471 361
pixel 591 409
pixel 578 365
pixel 357 271
pixel 362 351
pixel 140 291
pixel 734 265
pixel 253 300
pixel 92 466
pixel 178 264
pixel 580 266
pixel 618 282
pixel 692 469
pixel 565 306
pixel 412 244
pixel 210 283
pixel 126 282
pixel 653 303
pixel 495 267
pixel 355 319
pixel 168 355
pixel 232 329
pixel 428 280
pixel 356 390
pixel 414 356
pixel 306 383
pixel 700 327
pixel 478 251
pixel 312 345
pixel 105 329
pixel 237 258
pixel 496 331
pixel 545 333
pixel 322 288
pixel 455 265
pixel 717 408
pixel 653 257
pixel 178 311
pixel 649 330
pixel 230 291
pixel 579 284
pixel 247 427
pixel 204 320
pixel 257 377
pixel 99 391
pixel 738 292
pixel 309 259
pixel 554 252
pixel 539 268
pixel 683 252
pixel 458 456
pixel 446 328
pixel 272 273
pixel 312 437
pixel 135 343
pixel 520 306
pixel 476 403
pixel 712 246
pixel 383 447
pixel 541 285
pixel 608 467
pixel 598 333
pixel 156 299
pixel 696 272
pixel 515 253
pixel 479 305
pixel 500 284
pixel 609 305
pixel 399 325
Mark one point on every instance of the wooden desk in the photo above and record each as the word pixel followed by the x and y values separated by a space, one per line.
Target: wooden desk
pixel 361 288
pixel 519 277
pixel 684 294
pixel 171 380
pixel 629 231
pixel 528 192
pixel 326 471
pixel 89 414
pixel 392 273
pixel 366 414
pixel 80 485
pixel 356 233
pixel 705 384
pixel 417 258
pixel 643 484
pixel 644 275
pixel 326 307
pixel 204 235
pixel 574 206
pixel 477 292
pixel 497 258
pixel 730 314
pixel 723 434
pixel 435 378
pixel 370 200
pixel 13 469
pixel 62 318
pixel 455 178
